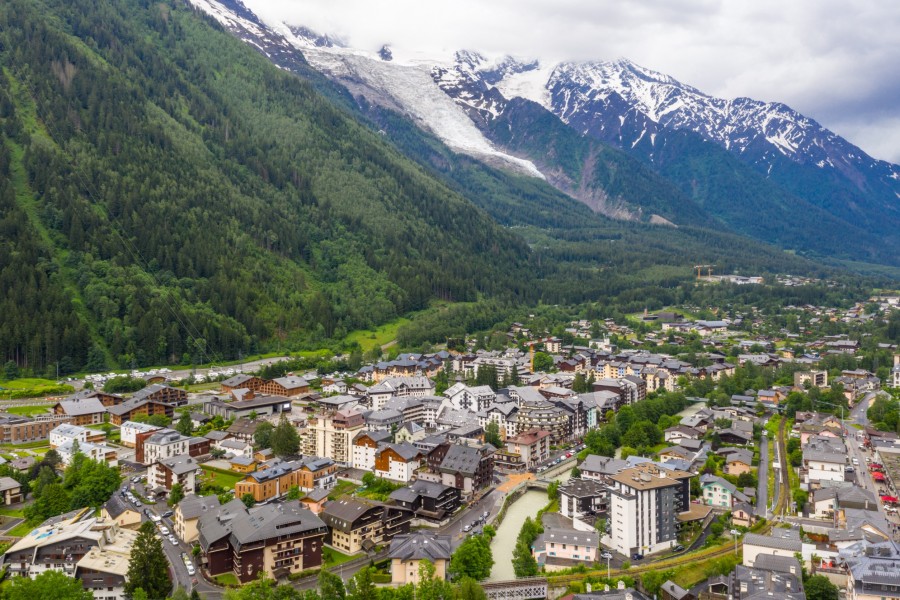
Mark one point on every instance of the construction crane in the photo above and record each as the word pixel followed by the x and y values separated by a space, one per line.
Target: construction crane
pixel 700 268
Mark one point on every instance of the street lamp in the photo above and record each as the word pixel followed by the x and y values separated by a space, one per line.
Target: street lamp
pixel 608 557
pixel 734 534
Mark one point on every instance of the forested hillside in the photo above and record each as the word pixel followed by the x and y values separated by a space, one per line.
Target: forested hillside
pixel 167 194
pixel 187 196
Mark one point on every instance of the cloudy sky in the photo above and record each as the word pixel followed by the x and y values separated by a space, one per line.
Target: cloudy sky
pixel 835 61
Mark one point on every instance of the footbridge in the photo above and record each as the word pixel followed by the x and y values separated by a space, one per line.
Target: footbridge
pixel 529 588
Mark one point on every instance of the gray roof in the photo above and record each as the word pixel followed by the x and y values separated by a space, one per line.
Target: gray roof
pixel 216 435
pixel 582 488
pixel 420 487
pixel 216 525
pixel 273 520
pixel 317 494
pixel 674 590
pixel 406 451
pixel 782 564
pixel 778 543
pixel 237 380
pixel 192 506
pixel 116 505
pixel 602 464
pixel 421 545
pixel 341 514
pixel 291 382
pixel 180 464
pixel 462 459
pixel 86 406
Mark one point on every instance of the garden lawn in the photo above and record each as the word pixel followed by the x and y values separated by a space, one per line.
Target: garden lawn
pixel 227 579
pixel 224 479
pixel 341 488
pixel 332 557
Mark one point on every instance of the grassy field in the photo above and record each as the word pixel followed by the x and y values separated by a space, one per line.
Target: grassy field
pixel 225 479
pixel 385 334
pixel 9 512
pixel 28 411
pixel 32 388
pixel 26 445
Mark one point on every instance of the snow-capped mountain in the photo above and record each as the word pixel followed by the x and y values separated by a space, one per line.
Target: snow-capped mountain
pixel 738 162
pixel 403 86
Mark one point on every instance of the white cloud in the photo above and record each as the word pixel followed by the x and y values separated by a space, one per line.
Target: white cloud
pixel 832 60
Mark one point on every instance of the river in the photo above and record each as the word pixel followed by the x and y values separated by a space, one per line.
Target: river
pixel 505 541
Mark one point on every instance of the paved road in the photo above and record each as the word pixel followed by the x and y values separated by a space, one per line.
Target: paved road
pixel 762 488
pixel 180 576
pixel 858 413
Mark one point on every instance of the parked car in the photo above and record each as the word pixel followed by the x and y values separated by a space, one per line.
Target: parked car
pixel 164 530
pixel 678 548
pixel 606 555
pixel 637 556
pixel 849 469
pixel 467 528
pixel 485 515
pixel 173 540
pixel 167 514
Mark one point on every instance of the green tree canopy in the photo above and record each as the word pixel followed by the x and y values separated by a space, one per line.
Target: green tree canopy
pixel 263 436
pixel 148 568
pixel 472 559
pixel 49 585
pixel 819 587
pixel 285 441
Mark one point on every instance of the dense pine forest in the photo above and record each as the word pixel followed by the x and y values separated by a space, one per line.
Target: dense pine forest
pixel 168 195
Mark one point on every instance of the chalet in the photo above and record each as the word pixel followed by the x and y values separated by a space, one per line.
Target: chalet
pixel 737 463
pixel 743 515
pixel 289 386
pixel 163 394
pixel 407 552
pixel 276 539
pixel 243 429
pixel 365 444
pixel 430 501
pixel 315 500
pixel 133 408
pixel 356 525
pixel 601 468
pixel 87 411
pixel 678 432
pixel 397 462
pixel 715 491
pixel 121 512
pixel 467 468
pixel 11 491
